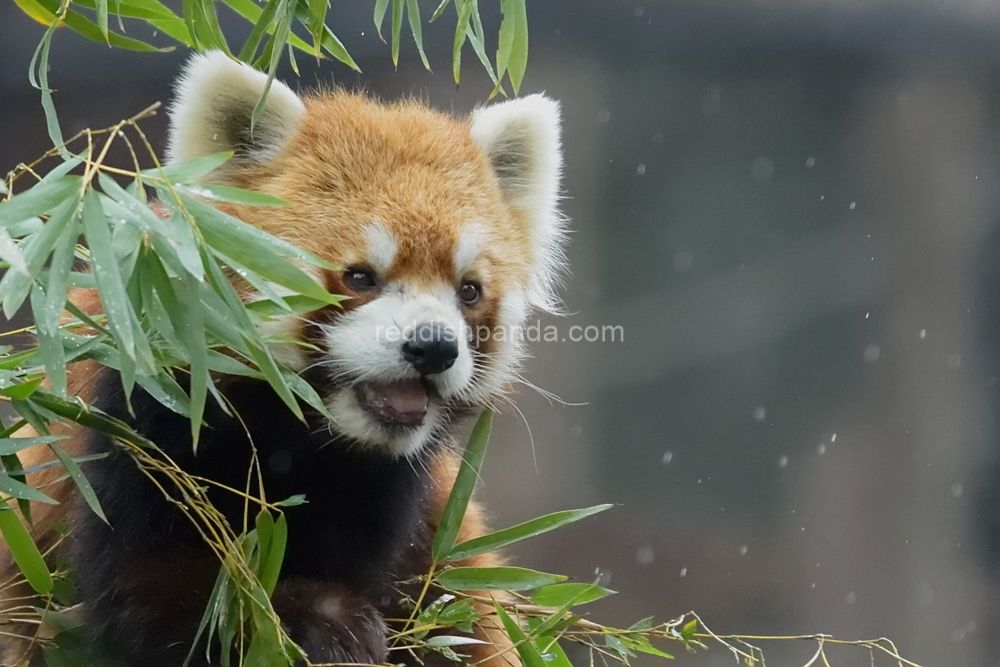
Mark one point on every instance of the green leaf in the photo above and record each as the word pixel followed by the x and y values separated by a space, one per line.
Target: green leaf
pixel 232 195
pixel 687 632
pixel 557 595
pixel 317 19
pixel 15 286
pixel 50 346
pixel 552 653
pixel 188 171
pixel 265 362
pixel 165 389
pixel 335 48
pixel 102 17
pixel 292 501
pixel 282 30
pixel 16 489
pixel 450 640
pixel 397 28
pixel 80 480
pixel 86 27
pixel 84 415
pixel 14 445
pixel 512 51
pixel 413 14
pixel 461 492
pixel 258 251
pixel 273 552
pixel 477 38
pixel 22 390
pixel 380 7
pixel 25 553
pixel 495 579
pixel 440 9
pixel 41 199
pixel 153 12
pixel 117 307
pixel 618 646
pixel 522 531
pixel 529 654
pixel 296 303
pixel 10 253
pixel 461 30
pixel 262 24
pixel 640 643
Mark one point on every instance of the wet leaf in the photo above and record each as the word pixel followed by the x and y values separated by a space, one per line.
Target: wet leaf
pixel 495 578
pixel 461 492
pixel 24 552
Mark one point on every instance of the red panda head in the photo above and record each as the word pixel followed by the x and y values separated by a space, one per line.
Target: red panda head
pixel 446 231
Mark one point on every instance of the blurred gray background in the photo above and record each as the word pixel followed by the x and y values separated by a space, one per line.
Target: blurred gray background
pixel 791 208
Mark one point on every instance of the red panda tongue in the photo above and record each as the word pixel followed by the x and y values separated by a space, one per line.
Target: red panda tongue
pixel 403 402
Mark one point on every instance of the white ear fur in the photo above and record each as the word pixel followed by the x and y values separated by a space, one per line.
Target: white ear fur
pixel 521 139
pixel 215 100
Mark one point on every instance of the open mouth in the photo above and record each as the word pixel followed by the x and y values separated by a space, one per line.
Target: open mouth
pixel 399 404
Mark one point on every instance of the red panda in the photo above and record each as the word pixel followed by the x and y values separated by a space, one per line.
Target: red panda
pixel 442 225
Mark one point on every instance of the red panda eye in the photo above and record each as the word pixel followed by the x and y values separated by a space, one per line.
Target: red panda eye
pixel 470 292
pixel 360 279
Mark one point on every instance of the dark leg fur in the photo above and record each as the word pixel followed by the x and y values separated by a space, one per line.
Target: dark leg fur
pixel 145 580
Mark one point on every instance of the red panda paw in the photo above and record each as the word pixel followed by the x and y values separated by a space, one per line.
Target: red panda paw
pixel 331 624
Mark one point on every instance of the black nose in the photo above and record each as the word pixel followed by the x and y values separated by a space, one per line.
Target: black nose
pixel 431 348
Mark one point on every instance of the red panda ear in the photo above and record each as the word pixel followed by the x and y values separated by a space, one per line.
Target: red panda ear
pixel 521 139
pixel 213 107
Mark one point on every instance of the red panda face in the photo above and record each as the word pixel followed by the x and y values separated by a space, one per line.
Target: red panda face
pixel 445 230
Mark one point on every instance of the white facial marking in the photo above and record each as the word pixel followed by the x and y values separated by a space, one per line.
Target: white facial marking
pixel 381 246
pixel 470 243
pixel 365 345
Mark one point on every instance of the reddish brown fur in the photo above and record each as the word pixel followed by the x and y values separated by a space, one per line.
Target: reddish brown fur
pixel 355 161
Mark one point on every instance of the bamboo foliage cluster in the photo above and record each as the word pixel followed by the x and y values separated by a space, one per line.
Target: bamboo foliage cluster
pixel 162 260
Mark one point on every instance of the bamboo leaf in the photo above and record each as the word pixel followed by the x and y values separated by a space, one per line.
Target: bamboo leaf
pixel 262 25
pixel 286 11
pixel 188 171
pixel 440 9
pixel 117 307
pixel 317 20
pixel 86 27
pixel 50 347
pixel 40 200
pixel 380 8
pixel 557 595
pixel 25 553
pixel 14 286
pixel 413 14
pixel 16 489
pixel 529 654
pixel 517 61
pixel 397 28
pixel 294 303
pixel 272 557
pixel 86 490
pixel 102 17
pixel 257 250
pixel 232 195
pixel 461 492
pixel 22 390
pixel 495 579
pixel 522 531
pixel 10 446
pixel 464 8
